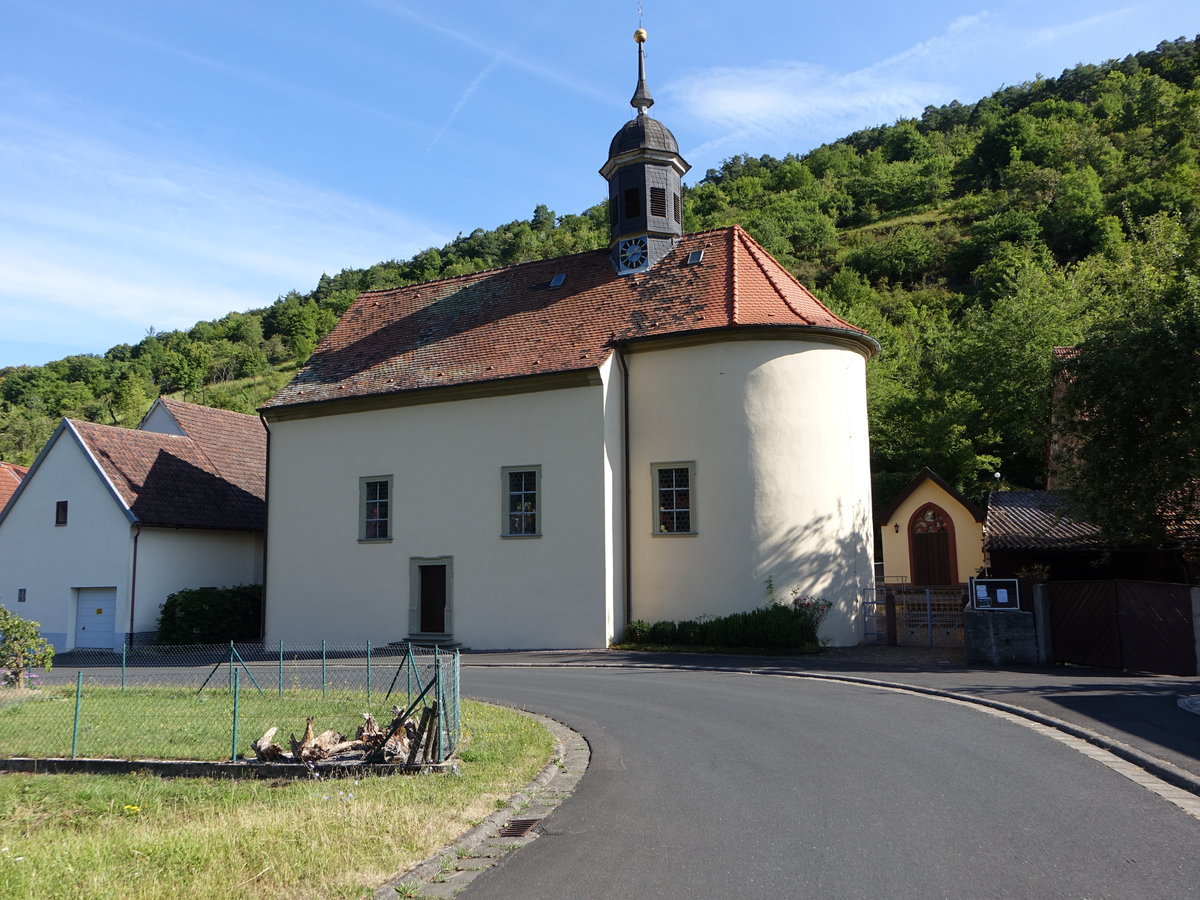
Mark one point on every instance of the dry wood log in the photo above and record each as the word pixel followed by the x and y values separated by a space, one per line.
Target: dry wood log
pixel 369 729
pixel 265 750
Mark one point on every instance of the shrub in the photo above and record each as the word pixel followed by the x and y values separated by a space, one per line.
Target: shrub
pixel 663 632
pixel 690 632
pixel 637 632
pixel 210 615
pixel 21 647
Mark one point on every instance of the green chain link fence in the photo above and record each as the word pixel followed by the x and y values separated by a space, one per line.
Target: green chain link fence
pixel 211 702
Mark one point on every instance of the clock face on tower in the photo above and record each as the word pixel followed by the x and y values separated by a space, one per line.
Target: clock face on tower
pixel 633 253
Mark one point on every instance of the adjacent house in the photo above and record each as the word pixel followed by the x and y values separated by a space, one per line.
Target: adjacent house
pixel 10 477
pixel 109 521
pixel 535 455
pixel 1038 535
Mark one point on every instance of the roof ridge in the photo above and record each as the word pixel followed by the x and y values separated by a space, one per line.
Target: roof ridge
pixel 217 409
pixel 733 279
pixel 763 260
pixel 529 262
pixel 491 271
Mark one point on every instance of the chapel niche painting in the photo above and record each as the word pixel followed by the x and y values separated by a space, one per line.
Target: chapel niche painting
pixel 931 544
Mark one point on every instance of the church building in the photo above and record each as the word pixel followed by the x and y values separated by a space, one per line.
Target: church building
pixel 533 456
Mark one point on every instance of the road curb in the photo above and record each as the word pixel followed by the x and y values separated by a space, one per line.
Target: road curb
pixel 482 847
pixel 1159 768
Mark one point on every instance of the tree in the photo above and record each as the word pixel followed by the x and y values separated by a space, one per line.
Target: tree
pixel 21 648
pixel 1131 406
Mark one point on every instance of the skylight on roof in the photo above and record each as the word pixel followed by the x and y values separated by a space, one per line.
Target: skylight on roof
pixel 557 280
pixel 694 257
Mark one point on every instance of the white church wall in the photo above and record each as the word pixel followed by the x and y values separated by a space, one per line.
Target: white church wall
pixel 447 500
pixel 777 433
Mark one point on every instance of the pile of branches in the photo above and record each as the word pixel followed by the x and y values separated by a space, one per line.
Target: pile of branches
pixel 404 741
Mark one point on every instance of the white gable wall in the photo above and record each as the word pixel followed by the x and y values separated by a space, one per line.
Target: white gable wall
pixel 160 420
pixel 445 460
pixel 52 562
pixel 777 431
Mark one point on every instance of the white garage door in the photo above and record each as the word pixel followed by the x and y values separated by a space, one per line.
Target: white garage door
pixel 96 617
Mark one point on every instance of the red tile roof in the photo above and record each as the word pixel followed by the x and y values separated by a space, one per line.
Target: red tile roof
pixel 507 323
pixel 10 478
pixel 211 478
pixel 236 443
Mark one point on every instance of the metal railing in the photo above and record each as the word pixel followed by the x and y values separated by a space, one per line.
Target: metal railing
pixel 911 616
pixel 211 702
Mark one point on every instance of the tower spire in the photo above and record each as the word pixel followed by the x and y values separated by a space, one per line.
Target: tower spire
pixel 644 172
pixel 641 100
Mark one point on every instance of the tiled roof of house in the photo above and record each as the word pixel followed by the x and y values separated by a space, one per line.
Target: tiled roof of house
pixel 1035 520
pixel 211 478
pixel 507 323
pixel 236 443
pixel 10 478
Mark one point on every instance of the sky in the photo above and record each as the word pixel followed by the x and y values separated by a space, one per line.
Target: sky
pixel 163 163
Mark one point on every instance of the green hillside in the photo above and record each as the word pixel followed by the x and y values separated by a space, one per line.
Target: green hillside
pixel 970 242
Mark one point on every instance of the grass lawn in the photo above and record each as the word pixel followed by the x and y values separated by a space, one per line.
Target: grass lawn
pixel 91 836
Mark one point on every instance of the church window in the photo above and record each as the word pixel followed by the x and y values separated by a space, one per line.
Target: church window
pixel 522 487
pixel 674 493
pixel 678 212
pixel 60 512
pixel 375 508
pixel 658 202
pixel 633 203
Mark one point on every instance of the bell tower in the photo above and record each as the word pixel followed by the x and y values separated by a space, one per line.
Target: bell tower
pixel 644 173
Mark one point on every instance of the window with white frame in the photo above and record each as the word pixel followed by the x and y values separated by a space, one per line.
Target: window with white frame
pixel 522 500
pixel 375 508
pixel 674 487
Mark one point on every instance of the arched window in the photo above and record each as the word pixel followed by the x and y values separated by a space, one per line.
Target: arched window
pixel 933 558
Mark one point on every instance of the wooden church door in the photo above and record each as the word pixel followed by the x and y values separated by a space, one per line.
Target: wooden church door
pixel 931 547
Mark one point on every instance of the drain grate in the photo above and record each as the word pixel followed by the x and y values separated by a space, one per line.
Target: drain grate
pixel 515 828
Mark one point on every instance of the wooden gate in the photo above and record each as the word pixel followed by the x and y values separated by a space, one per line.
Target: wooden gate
pixel 1136 625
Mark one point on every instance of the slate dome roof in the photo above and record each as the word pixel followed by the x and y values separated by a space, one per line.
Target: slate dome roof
pixel 643 133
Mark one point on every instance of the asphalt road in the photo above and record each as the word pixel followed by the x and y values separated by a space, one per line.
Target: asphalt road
pixel 725 785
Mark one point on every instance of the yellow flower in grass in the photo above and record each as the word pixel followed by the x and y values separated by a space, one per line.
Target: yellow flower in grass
pixel 131 810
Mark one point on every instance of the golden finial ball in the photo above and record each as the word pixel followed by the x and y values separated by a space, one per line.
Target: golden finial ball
pixel 640 35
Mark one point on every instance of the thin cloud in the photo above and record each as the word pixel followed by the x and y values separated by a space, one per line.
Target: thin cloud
pixel 1059 32
pixel 462 100
pixel 498 54
pixel 127 229
pixel 268 81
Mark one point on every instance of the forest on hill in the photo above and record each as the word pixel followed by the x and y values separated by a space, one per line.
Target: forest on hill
pixel 970 242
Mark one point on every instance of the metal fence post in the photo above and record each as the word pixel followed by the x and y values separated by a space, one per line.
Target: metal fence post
pixel 124 647
pixel 237 680
pixel 322 668
pixel 929 614
pixel 440 699
pixel 279 693
pixel 75 728
pixel 368 674
pixel 410 664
